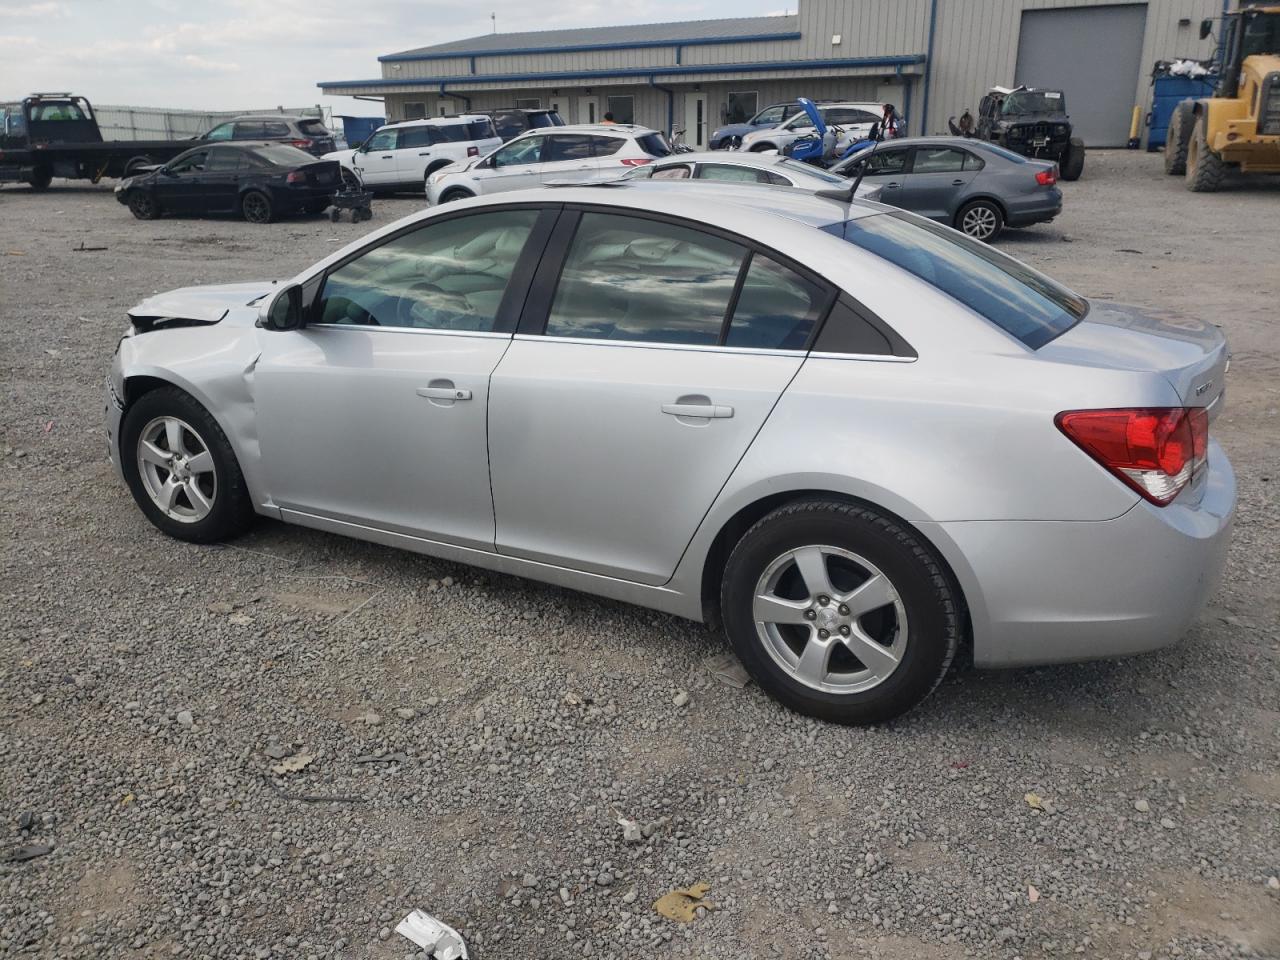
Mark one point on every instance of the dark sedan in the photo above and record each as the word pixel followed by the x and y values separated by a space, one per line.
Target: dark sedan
pixel 259 181
pixel 972 185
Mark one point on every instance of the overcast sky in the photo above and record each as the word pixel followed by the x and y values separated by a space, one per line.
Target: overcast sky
pixel 249 54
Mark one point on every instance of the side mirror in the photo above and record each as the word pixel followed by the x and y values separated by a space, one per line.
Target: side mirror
pixel 283 311
pixel 1206 28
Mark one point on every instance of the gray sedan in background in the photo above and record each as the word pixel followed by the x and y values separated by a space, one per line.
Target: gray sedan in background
pixel 732 166
pixel 855 438
pixel 972 185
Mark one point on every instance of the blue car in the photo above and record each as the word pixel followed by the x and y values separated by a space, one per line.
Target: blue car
pixel 730 135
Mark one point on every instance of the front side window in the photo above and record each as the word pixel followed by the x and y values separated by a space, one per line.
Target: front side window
pixel 382 140
pixel 886 162
pixel 631 279
pixel 191 163
pixel 622 108
pixel 567 146
pixel 447 275
pixel 769 116
pixel 520 152
pixel 221 132
pixel 938 160
pixel 677 171
pixel 1017 299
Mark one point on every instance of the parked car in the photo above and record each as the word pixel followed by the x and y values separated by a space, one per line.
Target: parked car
pixel 401 156
pixel 972 185
pixel 854 119
pixel 731 166
pixel 259 181
pixel 855 437
pixel 580 152
pixel 510 122
pixel 1033 122
pixel 730 135
pixel 305 133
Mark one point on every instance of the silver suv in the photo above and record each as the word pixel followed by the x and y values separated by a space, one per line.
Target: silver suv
pixel 580 152
pixel 856 438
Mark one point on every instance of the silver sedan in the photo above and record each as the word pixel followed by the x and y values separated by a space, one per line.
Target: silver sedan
pixel 856 438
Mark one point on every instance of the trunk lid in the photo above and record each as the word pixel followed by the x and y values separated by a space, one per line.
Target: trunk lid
pixel 1190 353
pixel 322 173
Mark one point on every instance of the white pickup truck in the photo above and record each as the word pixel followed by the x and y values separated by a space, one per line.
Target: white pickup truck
pixel 400 156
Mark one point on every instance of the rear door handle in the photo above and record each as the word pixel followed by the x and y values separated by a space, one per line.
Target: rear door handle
pixel 444 393
pixel 957 183
pixel 425 153
pixel 388 156
pixel 706 411
pixel 892 186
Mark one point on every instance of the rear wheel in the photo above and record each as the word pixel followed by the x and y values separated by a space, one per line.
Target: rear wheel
pixel 1072 166
pixel 40 179
pixel 839 612
pixel 981 219
pixel 1178 139
pixel 1205 169
pixel 255 206
pixel 143 205
pixel 181 468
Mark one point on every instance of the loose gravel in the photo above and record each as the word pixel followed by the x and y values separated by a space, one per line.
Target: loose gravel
pixel 536 766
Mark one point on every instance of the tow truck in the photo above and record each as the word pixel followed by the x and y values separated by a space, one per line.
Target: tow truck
pixel 49 135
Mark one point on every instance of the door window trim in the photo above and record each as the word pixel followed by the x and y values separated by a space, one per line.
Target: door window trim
pixel 537 305
pixel 513 298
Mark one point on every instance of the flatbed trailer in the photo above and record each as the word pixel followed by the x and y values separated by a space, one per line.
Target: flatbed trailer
pixel 49 135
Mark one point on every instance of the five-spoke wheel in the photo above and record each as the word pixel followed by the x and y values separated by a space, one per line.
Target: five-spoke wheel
pixel 177 469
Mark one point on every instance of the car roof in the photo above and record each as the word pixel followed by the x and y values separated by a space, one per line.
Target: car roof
pixel 736 158
pixel 267 116
pixel 629 129
pixel 437 121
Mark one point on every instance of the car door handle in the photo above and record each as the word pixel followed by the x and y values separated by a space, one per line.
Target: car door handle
pixel 892 186
pixel 444 393
pixel 388 156
pixel 957 183
pixel 425 153
pixel 706 411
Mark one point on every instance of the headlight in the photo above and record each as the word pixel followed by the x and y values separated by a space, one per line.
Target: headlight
pixel 435 178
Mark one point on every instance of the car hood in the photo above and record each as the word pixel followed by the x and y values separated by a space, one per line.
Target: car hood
pixel 234 302
pixel 342 156
pixel 1047 116
pixel 735 130
pixel 1190 353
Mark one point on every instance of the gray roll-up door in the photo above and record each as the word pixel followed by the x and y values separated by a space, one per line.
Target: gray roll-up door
pixel 1093 55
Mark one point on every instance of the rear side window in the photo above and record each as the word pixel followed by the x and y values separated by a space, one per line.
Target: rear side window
pixel 223 158
pixel 654 144
pixel 676 171
pixel 567 146
pixel 938 160
pixel 449 133
pixel 250 130
pixel 415 137
pixel 1017 299
pixel 480 129
pixel 274 128
pixel 509 125
pixel 314 128
pixel 776 309
pixel 607 146
pixel 631 279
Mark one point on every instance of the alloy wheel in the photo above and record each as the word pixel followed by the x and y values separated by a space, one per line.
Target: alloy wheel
pixel 177 469
pixel 257 209
pixel 979 222
pixel 831 619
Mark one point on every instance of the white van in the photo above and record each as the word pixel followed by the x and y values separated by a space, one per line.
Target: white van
pixel 400 156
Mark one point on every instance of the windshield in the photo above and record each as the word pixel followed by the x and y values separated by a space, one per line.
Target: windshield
pixel 1034 101
pixel 1261 34
pixel 1017 299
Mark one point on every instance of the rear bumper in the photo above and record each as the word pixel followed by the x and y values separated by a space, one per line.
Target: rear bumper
pixel 1034 209
pixel 1055 592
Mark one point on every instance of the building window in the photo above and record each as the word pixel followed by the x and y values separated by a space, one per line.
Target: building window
pixel 741 107
pixel 622 108
pixel 531 103
pixel 415 110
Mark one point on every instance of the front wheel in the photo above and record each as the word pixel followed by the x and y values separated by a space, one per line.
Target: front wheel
pixel 1178 138
pixel 143 205
pixel 457 193
pixel 1205 169
pixel 840 612
pixel 181 468
pixel 982 220
pixel 256 207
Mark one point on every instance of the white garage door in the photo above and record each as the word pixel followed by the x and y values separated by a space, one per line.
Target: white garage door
pixel 1093 54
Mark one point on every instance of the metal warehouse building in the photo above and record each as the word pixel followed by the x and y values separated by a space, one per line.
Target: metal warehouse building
pixel 931 58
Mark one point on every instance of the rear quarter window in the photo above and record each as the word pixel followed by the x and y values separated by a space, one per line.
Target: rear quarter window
pixel 1025 304
pixel 654 144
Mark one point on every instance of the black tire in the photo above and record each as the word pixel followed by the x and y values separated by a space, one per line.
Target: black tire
pixel 1072 166
pixel 932 608
pixel 455 193
pixel 762 147
pixel 231 512
pixel 40 178
pixel 134 163
pixel 143 205
pixel 256 207
pixel 334 214
pixel 314 207
pixel 1178 138
pixel 1205 169
pixel 981 219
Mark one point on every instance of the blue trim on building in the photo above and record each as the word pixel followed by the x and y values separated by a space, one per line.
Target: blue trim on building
pixel 584 47
pixel 905 60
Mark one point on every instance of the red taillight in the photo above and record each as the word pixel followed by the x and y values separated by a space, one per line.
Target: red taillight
pixel 1047 178
pixel 300 144
pixel 1155 450
pixel 473 151
pixel 636 161
pixel 295 176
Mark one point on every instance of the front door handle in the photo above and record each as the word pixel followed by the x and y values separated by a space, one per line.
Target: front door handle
pixel 957 183
pixel 705 411
pixel 388 156
pixel 892 186
pixel 425 153
pixel 442 392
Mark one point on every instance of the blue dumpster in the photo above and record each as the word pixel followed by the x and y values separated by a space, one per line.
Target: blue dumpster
pixel 1167 93
pixel 356 130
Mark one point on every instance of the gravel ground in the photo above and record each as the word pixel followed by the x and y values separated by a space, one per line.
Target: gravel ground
pixel 478 737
